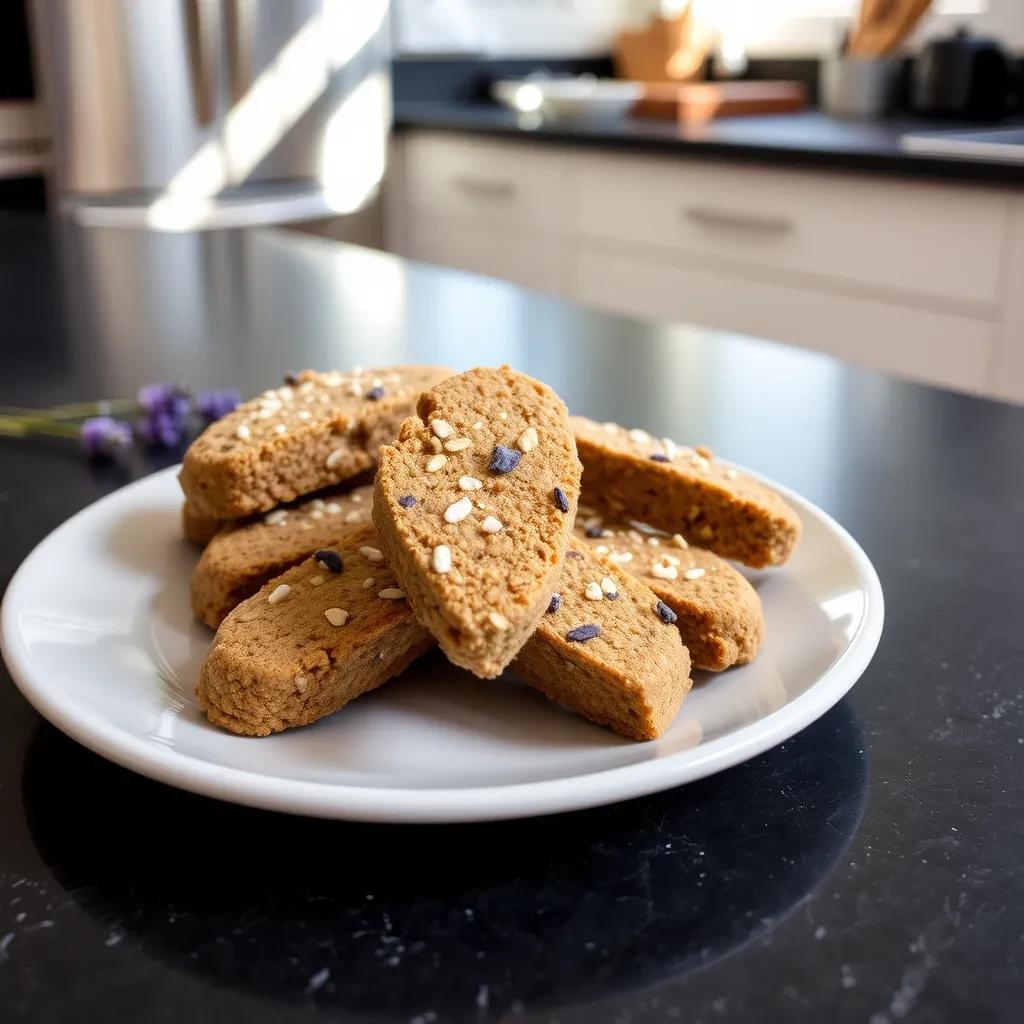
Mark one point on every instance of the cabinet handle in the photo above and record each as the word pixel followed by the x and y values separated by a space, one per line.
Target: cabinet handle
pixel 765 224
pixel 484 188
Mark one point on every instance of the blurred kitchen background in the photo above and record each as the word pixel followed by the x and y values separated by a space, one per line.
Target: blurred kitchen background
pixel 842 175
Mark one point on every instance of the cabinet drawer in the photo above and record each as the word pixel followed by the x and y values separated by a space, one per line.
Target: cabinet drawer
pixel 909 237
pixel 505 182
pixel 535 262
pixel 936 347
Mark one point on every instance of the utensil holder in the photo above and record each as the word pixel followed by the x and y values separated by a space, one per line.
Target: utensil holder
pixel 856 87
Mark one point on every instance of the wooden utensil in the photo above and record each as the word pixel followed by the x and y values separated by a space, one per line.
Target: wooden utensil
pixel 883 25
pixel 696 103
pixel 666 49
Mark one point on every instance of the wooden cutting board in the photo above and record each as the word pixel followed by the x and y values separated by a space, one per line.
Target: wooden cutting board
pixel 704 101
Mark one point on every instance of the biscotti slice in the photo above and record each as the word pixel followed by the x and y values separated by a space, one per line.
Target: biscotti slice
pixel 606 649
pixel 628 473
pixel 310 641
pixel 717 611
pixel 316 637
pixel 196 527
pixel 243 556
pixel 474 505
pixel 313 432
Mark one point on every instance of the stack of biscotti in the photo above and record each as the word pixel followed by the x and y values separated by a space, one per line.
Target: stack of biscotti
pixel 472 547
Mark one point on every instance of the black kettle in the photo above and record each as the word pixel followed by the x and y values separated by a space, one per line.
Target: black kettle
pixel 964 76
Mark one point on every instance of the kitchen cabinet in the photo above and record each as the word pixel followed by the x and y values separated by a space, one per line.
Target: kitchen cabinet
pixel 920 279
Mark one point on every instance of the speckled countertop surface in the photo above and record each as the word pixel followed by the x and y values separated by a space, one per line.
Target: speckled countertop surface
pixel 868 870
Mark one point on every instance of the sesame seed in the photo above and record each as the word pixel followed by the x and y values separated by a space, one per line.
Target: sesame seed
pixel 492 524
pixel 593 591
pixel 554 604
pixel 561 500
pixel 671 448
pixel 658 457
pixel 497 620
pixel 458 510
pixel 317 503
pixel 502 415
pixel 332 507
pixel 634 536
pixel 639 437
pixel 705 452
pixel 280 428
pixel 478 425
pixel 608 587
pixel 242 432
pixel 680 541
pixel 316 514
pixel 621 556
pixel 469 483
pixel 316 581
pixel 610 428
pixel 436 462
pixel 602 549
pixel 275 518
pixel 653 541
pixel 528 440
pixel 356 498
pixel 300 684
pixel 504 460
pixel 371 554
pixel 693 574
pixel 391 594
pixel 328 559
pixel 581 634
pixel 442 429
pixel 304 414
pixel 336 616
pixel 665 613
pixel 407 501
pixel 355 516
pixel 335 457
pixel 375 394
pixel 368 582
pixel 664 572
pixel 441 558
pixel 670 559
pixel 731 474
pixel 458 444
pixel 279 593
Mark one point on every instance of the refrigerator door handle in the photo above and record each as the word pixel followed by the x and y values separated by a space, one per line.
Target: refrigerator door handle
pixel 200 40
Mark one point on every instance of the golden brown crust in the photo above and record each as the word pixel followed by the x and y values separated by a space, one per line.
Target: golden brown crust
pixel 690 493
pixel 245 555
pixel 299 438
pixel 282 663
pixel 278 665
pixel 719 613
pixel 486 604
pixel 633 676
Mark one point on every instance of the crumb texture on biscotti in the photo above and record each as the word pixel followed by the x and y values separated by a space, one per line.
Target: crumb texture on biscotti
pixel 474 505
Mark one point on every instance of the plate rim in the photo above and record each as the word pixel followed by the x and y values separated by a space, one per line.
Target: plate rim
pixel 442 806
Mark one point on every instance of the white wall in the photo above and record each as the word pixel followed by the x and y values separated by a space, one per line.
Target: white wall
pixel 579 27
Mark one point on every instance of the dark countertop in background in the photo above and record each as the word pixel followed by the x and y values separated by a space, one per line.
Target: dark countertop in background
pixel 800 140
pixel 867 870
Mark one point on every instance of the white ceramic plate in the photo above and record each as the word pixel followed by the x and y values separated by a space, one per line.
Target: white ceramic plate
pixel 98 634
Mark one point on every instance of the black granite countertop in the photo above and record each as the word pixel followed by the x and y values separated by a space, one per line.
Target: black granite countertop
pixel 867 870
pixel 809 139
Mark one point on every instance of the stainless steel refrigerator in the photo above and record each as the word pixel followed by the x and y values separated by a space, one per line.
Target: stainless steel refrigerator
pixel 185 114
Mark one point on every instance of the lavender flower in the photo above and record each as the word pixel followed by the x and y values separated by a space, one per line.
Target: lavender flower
pixel 103 436
pixel 212 405
pixel 166 408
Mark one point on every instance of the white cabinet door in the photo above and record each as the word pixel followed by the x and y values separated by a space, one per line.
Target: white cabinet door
pixel 898 237
pixel 936 347
pixel 489 248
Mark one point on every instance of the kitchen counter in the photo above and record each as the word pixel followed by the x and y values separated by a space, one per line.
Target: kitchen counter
pixel 866 870
pixel 803 140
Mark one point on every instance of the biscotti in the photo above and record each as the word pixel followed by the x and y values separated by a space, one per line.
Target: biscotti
pixel 196 527
pixel 316 637
pixel 717 611
pixel 606 648
pixel 474 505
pixel 310 641
pixel 316 430
pixel 243 556
pixel 627 473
